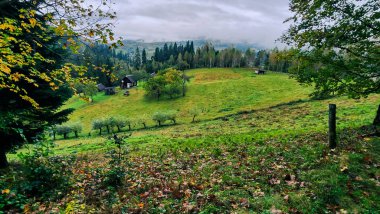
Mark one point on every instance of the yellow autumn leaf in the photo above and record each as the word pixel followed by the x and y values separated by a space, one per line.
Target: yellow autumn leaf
pixel 5 191
pixel 33 22
pixel 16 77
pixel 5 69
pixel 32 12
pixel 30 100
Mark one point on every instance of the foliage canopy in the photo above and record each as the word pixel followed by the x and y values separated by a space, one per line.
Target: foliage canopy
pixel 340 45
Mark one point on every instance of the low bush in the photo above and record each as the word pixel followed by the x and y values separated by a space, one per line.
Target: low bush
pixel 40 176
pixel 115 176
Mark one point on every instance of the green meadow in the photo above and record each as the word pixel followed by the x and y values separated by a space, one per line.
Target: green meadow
pixel 218 92
pixel 259 145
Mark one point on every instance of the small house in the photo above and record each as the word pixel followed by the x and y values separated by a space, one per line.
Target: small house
pixel 260 71
pixel 101 87
pixel 128 82
pixel 110 90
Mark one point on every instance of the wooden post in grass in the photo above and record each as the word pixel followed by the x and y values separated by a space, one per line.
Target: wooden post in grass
pixel 332 126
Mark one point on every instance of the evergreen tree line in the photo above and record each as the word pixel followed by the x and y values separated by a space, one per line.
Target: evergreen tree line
pixel 108 66
pixel 187 57
pixel 102 63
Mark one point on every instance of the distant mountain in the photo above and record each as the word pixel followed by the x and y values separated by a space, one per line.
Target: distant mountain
pixel 131 45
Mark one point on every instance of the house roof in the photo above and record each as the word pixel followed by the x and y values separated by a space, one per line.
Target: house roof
pixel 130 78
pixel 101 86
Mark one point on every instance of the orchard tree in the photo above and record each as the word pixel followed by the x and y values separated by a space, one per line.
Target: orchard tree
pixel 339 42
pixel 194 112
pixel 35 80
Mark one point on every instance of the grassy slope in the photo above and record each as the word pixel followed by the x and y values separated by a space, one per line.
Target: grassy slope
pixel 262 149
pixel 263 106
pixel 219 91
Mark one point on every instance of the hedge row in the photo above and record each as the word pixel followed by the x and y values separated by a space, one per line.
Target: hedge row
pixel 111 123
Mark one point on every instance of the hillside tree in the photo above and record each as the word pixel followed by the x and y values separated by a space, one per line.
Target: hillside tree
pixel 339 42
pixel 35 80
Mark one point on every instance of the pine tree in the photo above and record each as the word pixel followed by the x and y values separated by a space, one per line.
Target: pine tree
pixel 143 57
pixel 137 59
pixel 175 47
pixel 157 54
pixel 166 52
pixel 192 48
pixel 20 121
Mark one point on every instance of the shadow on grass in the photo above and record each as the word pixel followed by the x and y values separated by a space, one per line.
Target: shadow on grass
pixel 296 102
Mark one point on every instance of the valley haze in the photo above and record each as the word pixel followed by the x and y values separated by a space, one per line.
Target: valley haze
pixel 241 21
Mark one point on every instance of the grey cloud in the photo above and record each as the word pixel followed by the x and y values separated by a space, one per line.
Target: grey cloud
pixel 254 21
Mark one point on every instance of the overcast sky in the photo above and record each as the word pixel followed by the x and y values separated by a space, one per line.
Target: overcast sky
pixel 253 21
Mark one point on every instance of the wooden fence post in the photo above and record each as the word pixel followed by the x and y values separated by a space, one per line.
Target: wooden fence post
pixel 332 126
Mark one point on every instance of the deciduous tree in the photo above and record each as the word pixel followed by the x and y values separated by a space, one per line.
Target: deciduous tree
pixel 34 78
pixel 339 42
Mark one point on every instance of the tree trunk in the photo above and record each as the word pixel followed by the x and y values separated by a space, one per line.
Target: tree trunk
pixel 129 127
pixel 100 131
pixel 118 128
pixel 159 123
pixel 144 125
pixel 65 136
pixel 3 158
pixel 376 121
pixel 194 118
pixel 76 134
pixel 108 129
pixel 54 135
